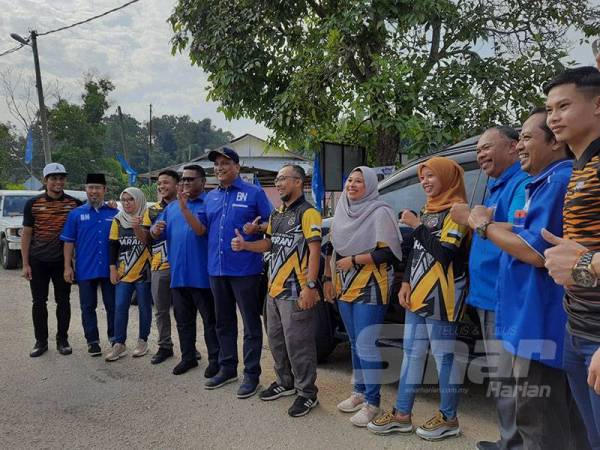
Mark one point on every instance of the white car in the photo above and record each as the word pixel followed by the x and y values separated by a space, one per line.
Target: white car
pixel 12 204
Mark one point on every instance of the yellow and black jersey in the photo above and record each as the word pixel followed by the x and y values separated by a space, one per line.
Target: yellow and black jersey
pixel 581 223
pixel 290 230
pixel 128 253
pixel 160 259
pixel 370 284
pixel 437 267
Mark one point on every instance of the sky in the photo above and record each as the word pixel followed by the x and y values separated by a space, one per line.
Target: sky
pixel 131 47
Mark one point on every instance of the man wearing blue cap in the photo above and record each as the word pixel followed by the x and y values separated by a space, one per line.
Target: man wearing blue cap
pixel 235 276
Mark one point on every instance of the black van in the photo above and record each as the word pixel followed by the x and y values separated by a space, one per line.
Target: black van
pixel 402 190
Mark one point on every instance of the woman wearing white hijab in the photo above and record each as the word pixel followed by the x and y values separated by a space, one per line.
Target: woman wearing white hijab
pixel 130 271
pixel 366 244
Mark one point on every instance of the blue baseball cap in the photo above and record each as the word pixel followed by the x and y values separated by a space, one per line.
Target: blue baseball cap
pixel 226 152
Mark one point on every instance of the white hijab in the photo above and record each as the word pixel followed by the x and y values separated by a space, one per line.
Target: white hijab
pixel 139 199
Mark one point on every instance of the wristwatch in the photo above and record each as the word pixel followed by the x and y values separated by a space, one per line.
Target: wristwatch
pixel 583 273
pixel 481 230
pixel 311 284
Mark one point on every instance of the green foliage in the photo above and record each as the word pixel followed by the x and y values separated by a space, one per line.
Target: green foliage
pixel 150 192
pixel 391 75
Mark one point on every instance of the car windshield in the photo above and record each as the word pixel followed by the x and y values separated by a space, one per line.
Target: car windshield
pixel 408 193
pixel 14 205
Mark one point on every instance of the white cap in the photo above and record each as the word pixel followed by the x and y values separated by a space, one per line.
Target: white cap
pixel 53 169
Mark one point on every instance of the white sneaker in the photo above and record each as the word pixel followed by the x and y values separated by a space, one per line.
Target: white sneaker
pixel 365 415
pixel 352 404
pixel 117 351
pixel 140 349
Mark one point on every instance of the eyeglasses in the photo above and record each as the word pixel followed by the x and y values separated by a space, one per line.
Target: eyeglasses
pixel 282 178
pixel 127 200
pixel 189 179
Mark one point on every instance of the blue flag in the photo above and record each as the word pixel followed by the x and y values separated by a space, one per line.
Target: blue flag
pixel 29 148
pixel 130 171
pixel 318 190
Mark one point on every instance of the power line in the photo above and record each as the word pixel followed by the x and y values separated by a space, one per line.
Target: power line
pixel 88 20
pixel 12 50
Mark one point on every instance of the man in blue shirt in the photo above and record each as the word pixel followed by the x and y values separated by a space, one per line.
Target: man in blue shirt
pixel 497 156
pixel 187 247
pixel 530 321
pixel 86 234
pixel 235 277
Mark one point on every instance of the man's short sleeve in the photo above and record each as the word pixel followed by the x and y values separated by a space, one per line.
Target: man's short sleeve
pixel 263 204
pixel 114 230
pixel 146 222
pixel 311 225
pixel 28 219
pixel 269 231
pixel 518 200
pixel 69 232
pixel 544 212
pixel 452 232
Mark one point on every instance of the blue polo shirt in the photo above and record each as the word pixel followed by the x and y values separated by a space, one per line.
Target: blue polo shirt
pixel 228 209
pixel 187 251
pixel 88 229
pixel 530 318
pixel 506 194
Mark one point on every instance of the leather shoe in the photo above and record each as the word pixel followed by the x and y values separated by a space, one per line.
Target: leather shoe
pixel 248 388
pixel 64 348
pixel 211 370
pixel 161 355
pixel 39 349
pixel 488 445
pixel 184 366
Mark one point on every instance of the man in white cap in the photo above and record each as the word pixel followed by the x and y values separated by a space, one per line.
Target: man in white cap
pixel 42 252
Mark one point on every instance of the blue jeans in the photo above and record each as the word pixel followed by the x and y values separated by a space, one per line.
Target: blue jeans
pixel 577 354
pixel 419 334
pixel 124 291
pixel 366 359
pixel 88 298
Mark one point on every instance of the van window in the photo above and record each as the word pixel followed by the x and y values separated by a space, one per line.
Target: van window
pixel 408 193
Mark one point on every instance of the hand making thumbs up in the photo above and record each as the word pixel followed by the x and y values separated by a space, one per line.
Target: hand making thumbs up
pixel 237 243
pixel 252 228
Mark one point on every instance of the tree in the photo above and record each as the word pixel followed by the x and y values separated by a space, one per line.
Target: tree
pixel 394 75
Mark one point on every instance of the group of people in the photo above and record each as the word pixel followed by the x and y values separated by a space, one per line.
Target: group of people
pixel 527 260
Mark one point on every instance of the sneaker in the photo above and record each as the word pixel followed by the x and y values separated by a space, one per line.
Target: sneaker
pixel 63 347
pixel 94 349
pixel 140 349
pixel 39 348
pixel 390 423
pixel 184 366
pixel 248 388
pixel 161 355
pixel 352 404
pixel 438 427
pixel 276 391
pixel 220 380
pixel 365 415
pixel 211 370
pixel 302 406
pixel 118 351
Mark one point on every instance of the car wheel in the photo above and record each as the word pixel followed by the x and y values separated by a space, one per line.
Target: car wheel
pixel 10 258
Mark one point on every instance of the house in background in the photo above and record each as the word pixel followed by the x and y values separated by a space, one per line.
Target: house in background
pixel 258 161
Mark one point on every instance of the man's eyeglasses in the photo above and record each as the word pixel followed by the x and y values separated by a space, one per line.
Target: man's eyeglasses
pixel 189 179
pixel 282 178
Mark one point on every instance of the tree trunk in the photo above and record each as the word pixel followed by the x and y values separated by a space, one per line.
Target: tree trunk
pixel 386 147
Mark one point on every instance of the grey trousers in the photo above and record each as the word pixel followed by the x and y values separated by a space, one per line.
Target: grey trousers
pixel 161 294
pixel 291 333
pixel 506 406
pixel 547 417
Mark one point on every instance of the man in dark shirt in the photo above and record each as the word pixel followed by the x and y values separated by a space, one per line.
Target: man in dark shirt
pixel 42 253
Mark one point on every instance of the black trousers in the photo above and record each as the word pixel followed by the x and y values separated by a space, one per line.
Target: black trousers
pixel 41 274
pixel 187 302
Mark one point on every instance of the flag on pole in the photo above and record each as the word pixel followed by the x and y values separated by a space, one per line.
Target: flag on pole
pixel 29 147
pixel 318 191
pixel 130 171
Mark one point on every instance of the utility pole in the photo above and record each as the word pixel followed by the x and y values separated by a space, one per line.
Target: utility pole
pixel 150 146
pixel 40 91
pixel 123 149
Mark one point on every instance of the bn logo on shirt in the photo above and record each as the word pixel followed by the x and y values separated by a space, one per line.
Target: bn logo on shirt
pixel 241 197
